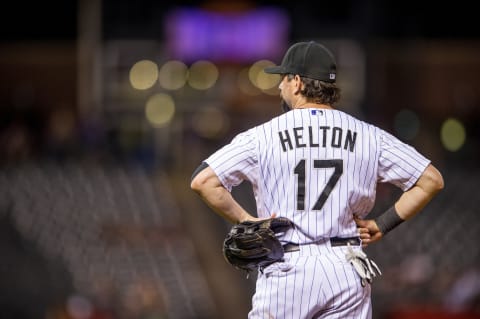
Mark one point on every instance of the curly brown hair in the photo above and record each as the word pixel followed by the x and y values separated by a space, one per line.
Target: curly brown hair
pixel 319 92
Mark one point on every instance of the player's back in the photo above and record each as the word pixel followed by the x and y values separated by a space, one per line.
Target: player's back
pixel 317 167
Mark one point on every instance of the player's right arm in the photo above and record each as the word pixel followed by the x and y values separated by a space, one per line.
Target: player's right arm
pixel 408 205
pixel 209 187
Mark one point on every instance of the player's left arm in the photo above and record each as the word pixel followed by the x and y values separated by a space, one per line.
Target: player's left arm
pixel 209 187
pixel 415 199
pixel 408 205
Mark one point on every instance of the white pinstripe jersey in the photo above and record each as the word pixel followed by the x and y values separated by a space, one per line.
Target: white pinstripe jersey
pixel 317 167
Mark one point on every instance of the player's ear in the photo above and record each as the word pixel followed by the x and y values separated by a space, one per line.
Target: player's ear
pixel 298 84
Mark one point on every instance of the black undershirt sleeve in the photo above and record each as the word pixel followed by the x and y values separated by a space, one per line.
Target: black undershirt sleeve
pixel 200 168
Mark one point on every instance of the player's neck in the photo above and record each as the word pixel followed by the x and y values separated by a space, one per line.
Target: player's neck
pixel 308 105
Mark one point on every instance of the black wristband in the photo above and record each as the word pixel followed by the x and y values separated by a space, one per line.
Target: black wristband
pixel 388 220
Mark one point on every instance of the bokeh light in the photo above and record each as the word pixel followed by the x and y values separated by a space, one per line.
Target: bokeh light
pixel 210 122
pixel 160 109
pixel 260 79
pixel 143 74
pixel 406 124
pixel 244 83
pixel 173 75
pixel 203 75
pixel 453 134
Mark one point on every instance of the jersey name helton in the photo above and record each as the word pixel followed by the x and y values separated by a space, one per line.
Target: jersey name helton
pixel 335 137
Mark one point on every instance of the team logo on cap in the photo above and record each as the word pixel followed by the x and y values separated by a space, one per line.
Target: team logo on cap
pixel 332 76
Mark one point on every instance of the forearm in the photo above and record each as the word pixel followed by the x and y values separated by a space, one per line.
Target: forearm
pixel 415 199
pixel 221 201
pixel 207 185
pixel 412 201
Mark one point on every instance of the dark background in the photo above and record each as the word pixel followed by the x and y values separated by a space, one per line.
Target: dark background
pixel 57 20
pixel 96 216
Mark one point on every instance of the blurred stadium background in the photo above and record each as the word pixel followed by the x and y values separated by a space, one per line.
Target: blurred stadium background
pixel 108 106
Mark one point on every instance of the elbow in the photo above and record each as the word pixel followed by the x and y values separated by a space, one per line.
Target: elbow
pixel 196 185
pixel 204 182
pixel 201 183
pixel 435 179
pixel 439 183
pixel 199 177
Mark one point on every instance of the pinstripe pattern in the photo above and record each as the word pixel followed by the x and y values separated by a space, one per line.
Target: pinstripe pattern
pixel 315 283
pixel 318 168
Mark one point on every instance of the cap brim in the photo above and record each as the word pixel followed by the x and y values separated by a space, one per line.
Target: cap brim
pixel 275 70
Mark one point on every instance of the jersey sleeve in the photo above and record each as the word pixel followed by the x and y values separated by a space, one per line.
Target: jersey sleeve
pixel 236 161
pixel 399 163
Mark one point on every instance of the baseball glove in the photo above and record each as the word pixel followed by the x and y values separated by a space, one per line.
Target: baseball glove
pixel 253 245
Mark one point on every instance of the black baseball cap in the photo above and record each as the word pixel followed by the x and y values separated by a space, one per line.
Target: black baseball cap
pixel 308 59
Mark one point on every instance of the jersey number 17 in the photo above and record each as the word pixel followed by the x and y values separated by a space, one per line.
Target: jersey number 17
pixel 300 170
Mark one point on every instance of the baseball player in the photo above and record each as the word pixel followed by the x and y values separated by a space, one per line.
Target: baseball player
pixel 319 167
